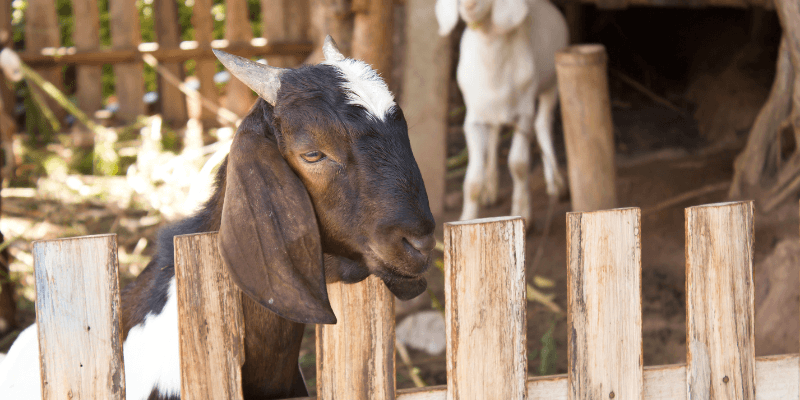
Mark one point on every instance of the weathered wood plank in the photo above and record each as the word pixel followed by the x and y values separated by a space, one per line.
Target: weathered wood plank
pixel 484 279
pixel 204 68
pixel 238 97
pixel 777 378
pixel 173 101
pixel 425 94
pixel 41 30
pixel 129 77
pixel 86 35
pixel 77 311
pixel 355 357
pixel 720 302
pixel 8 306
pixel 605 304
pixel 285 20
pixel 588 128
pixel 210 320
pixel 373 27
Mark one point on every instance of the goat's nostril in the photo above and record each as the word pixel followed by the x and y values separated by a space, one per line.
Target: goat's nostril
pixel 422 244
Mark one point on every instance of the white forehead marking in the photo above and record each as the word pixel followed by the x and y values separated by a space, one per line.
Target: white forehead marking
pixel 365 87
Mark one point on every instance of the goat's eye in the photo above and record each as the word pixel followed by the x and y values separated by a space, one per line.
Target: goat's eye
pixel 313 156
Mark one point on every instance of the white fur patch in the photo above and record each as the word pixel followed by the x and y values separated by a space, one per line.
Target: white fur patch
pixel 365 87
pixel 20 378
pixel 152 355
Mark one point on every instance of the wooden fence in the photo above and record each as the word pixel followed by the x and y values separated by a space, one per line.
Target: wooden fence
pixel 43 50
pixel 485 313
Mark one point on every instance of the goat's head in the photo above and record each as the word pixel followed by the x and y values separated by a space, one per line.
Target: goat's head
pixel 337 177
pixel 505 14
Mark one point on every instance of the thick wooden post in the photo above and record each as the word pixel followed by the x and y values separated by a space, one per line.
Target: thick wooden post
pixel 173 101
pixel 87 38
pixel 355 357
pixel 238 97
pixel 77 311
pixel 605 305
pixel 588 130
pixel 720 342
pixel 285 20
pixel 205 68
pixel 372 35
pixel 129 82
pixel 212 357
pixel 41 30
pixel 484 280
pixel 425 92
pixel 330 17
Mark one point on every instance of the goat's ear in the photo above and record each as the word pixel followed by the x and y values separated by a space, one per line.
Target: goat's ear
pixel 447 15
pixel 268 237
pixel 507 14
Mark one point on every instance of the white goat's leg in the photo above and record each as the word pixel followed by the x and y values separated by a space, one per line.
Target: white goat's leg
pixel 490 181
pixel 519 158
pixel 476 135
pixel 544 127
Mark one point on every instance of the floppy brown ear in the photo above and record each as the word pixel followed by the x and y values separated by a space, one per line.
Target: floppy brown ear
pixel 268 237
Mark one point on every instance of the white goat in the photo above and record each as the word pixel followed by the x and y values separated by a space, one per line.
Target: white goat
pixel 507 62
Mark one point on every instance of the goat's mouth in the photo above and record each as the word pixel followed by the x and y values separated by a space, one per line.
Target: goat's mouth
pixel 403 285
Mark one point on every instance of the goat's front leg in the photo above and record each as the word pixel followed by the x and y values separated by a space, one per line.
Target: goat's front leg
pixel 544 127
pixel 519 159
pixel 490 180
pixel 477 136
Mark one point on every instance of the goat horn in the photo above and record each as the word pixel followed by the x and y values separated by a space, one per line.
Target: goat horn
pixel 331 51
pixel 263 79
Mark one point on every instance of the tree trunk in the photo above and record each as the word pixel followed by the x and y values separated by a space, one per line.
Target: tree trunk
pixel 758 170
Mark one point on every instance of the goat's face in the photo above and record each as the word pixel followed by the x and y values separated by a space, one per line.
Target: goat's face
pixel 341 133
pixel 348 142
pixel 501 15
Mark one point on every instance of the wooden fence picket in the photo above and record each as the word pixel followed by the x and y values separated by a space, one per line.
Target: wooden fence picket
pixel 86 35
pixel 720 350
pixel 484 279
pixel 211 358
pixel 129 77
pixel 605 305
pixel 173 101
pixel 238 30
pixel 355 357
pixel 77 311
pixel 205 68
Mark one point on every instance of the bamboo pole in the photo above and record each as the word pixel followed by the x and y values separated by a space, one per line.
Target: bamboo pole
pixel 77 312
pixel 588 129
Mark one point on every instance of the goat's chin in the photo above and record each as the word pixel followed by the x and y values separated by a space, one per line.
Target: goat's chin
pixel 404 288
pixel 338 268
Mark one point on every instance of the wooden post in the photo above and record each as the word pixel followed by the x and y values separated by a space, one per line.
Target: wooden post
pixel 87 37
pixel 425 94
pixel 720 350
pixel 588 130
pixel 355 357
pixel 173 101
pixel 8 307
pixel 212 357
pixel 484 280
pixel 330 17
pixel 372 35
pixel 77 311
pixel 129 82
pixel 285 20
pixel 238 97
pixel 604 297
pixel 204 68
pixel 41 30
